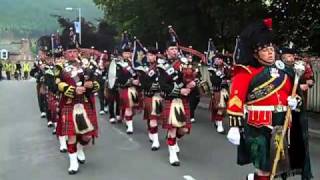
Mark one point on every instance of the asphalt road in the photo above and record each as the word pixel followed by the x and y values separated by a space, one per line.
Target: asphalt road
pixel 28 151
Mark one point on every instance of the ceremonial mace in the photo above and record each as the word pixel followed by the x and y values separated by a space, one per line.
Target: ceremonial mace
pixel 299 68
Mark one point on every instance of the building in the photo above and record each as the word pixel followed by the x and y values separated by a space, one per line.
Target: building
pixel 16 51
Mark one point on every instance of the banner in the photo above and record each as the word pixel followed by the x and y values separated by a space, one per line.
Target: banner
pixel 77 27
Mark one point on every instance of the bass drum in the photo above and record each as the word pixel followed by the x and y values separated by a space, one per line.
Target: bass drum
pixel 112 74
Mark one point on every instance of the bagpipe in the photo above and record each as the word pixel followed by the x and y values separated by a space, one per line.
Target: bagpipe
pixel 189 71
pixel 87 58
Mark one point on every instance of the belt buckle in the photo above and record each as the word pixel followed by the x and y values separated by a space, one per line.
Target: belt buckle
pixel 279 109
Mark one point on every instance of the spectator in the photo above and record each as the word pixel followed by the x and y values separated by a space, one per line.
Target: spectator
pixel 7 69
pixel 26 70
pixel 18 70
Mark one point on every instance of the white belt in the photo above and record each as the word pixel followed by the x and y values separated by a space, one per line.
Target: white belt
pixel 279 108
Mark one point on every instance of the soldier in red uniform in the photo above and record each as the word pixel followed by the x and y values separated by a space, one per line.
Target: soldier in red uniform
pixel 78 113
pixel 260 95
pixel 176 89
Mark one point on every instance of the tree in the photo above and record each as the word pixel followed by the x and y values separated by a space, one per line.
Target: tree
pixel 297 21
pixel 101 37
pixel 194 21
pixel 222 20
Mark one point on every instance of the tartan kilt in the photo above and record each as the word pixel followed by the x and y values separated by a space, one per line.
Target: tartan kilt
pixel 52 106
pixel 166 113
pixel 66 125
pixel 125 100
pixel 217 112
pixel 147 109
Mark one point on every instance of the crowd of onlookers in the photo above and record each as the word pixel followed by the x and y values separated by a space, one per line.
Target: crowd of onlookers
pixel 14 70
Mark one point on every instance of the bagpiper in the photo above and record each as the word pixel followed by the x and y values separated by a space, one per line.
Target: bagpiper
pixel 192 70
pixel 262 95
pixel 152 100
pixel 77 105
pixel 127 81
pixel 219 77
pixel 175 90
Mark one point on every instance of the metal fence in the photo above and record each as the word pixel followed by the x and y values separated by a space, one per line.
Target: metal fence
pixel 313 101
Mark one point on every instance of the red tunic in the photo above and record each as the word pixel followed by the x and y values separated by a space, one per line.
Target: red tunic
pixel 260 114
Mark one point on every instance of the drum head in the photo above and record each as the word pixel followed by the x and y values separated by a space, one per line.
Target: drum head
pixel 112 74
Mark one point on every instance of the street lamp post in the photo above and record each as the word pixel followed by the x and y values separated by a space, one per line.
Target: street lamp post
pixel 52 46
pixel 79 13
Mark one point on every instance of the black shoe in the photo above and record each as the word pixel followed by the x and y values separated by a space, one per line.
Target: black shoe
pixel 81 161
pixel 177 163
pixel 155 148
pixel 63 150
pixel 72 172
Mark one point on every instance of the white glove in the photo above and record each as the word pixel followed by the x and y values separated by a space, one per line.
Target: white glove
pixel 234 135
pixel 292 102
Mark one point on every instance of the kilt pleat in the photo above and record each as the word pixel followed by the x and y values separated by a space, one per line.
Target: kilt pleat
pixel 166 113
pixel 66 125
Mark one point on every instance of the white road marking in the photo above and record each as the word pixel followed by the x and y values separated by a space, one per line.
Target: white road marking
pixel 188 177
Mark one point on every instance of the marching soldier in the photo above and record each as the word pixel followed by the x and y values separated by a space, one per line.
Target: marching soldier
pixel 78 114
pixel 194 72
pixel 152 99
pixel 112 97
pixel 219 77
pixel 38 73
pixel 261 87
pixel 298 140
pixel 102 70
pixel 127 81
pixel 176 89
pixel 289 56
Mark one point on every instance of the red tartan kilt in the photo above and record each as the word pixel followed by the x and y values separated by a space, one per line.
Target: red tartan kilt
pixel 66 125
pixel 52 106
pixel 147 109
pixel 124 99
pixel 214 107
pixel 166 112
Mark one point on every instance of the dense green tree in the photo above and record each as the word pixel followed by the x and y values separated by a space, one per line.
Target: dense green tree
pixel 197 20
pixel 297 21
pixel 101 37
